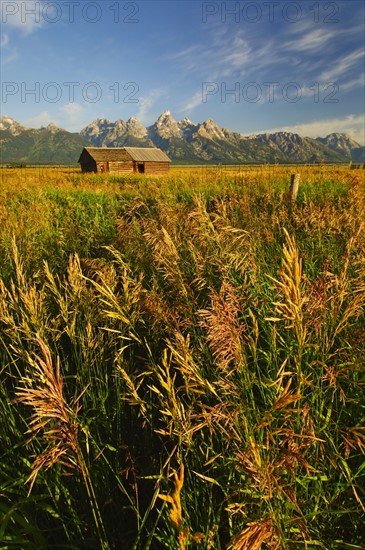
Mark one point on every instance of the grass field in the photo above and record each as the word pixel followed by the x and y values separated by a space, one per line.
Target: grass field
pixel 182 359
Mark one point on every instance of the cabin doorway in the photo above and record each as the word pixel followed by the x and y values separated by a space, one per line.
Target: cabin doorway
pixel 103 167
pixel 140 168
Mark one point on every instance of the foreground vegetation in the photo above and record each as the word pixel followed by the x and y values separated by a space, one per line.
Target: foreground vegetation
pixel 182 360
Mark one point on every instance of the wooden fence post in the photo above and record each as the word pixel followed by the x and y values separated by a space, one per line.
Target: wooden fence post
pixel 294 186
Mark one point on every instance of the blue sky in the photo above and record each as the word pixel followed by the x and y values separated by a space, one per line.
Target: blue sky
pixel 252 66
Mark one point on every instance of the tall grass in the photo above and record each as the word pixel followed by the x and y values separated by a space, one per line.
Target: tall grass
pixel 182 361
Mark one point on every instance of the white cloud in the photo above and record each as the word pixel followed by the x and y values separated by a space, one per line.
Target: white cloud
pixel 71 116
pixel 72 109
pixel 42 119
pixel 146 103
pixel 353 125
pixel 9 52
pixel 4 40
pixel 27 15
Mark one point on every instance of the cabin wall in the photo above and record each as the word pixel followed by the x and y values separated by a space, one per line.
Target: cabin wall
pixel 116 167
pixel 87 162
pixel 127 167
pixel 156 167
pixel 88 165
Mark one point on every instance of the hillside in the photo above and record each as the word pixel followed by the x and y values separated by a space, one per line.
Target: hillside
pixel 50 145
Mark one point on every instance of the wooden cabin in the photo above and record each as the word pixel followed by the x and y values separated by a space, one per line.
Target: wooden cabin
pixel 124 160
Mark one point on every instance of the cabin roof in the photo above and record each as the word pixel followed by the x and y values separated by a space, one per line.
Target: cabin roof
pixel 138 154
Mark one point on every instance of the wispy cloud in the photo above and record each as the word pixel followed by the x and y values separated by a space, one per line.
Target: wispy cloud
pixel 221 56
pixel 312 41
pixel 146 104
pixel 192 103
pixel 343 65
pixel 287 51
pixel 311 56
pixel 353 84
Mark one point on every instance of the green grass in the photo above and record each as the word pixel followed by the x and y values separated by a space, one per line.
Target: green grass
pixel 192 320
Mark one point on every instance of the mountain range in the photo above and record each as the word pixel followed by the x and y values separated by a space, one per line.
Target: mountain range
pixel 185 142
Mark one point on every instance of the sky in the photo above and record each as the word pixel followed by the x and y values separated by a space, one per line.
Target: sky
pixel 251 66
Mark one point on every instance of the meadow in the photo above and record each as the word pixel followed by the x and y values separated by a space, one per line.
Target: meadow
pixel 182 359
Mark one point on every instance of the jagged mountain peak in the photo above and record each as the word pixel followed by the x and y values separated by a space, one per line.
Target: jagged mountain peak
pixel 7 120
pixel 187 128
pixel 340 138
pixel 165 126
pixel 165 118
pixel 209 122
pixel 345 145
pixel 186 121
pixel 284 134
pixel 100 122
pixel 52 127
pixel 104 133
pixel 97 125
pixel 165 114
pixel 120 123
pixel 133 121
pixel 210 129
pixel 135 128
pixel 337 135
pixel 96 130
pixel 8 123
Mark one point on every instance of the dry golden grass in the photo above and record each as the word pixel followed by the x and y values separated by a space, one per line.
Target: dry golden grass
pixel 207 330
pixel 42 390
